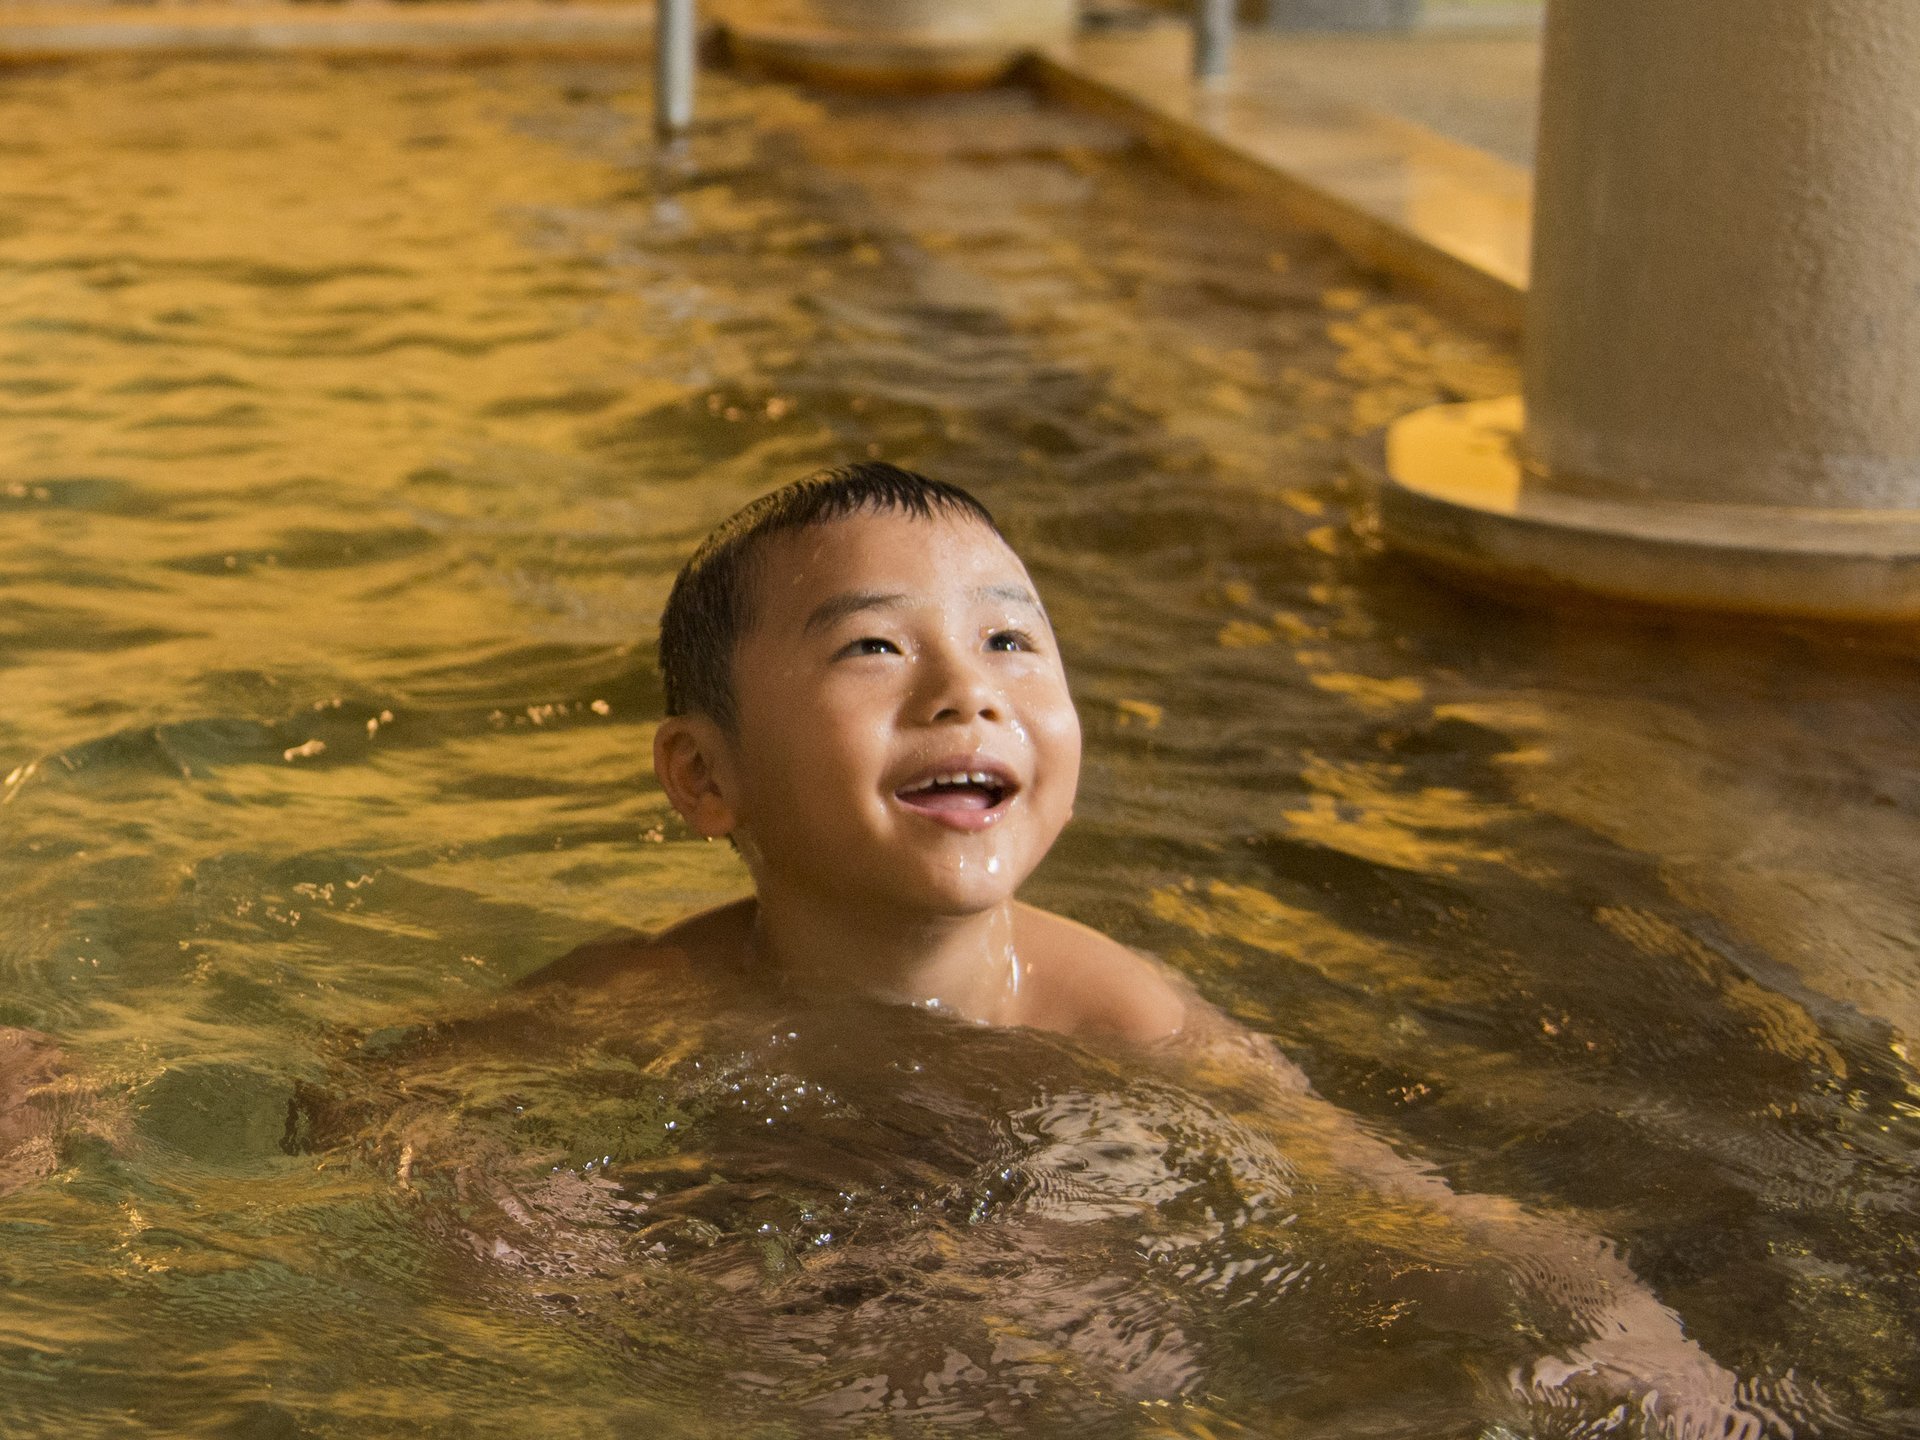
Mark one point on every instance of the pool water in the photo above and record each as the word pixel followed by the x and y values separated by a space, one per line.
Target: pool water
pixel 356 420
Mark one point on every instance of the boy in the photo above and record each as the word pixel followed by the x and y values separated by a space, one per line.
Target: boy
pixel 865 697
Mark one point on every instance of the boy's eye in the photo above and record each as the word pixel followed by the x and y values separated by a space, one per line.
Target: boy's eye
pixel 870 645
pixel 1010 640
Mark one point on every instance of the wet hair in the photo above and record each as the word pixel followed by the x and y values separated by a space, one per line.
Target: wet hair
pixel 712 606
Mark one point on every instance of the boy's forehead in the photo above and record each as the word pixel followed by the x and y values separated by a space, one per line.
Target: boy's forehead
pixel 909 554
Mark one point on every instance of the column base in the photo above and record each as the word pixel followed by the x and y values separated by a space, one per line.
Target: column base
pixel 891 45
pixel 841 61
pixel 1342 14
pixel 1455 493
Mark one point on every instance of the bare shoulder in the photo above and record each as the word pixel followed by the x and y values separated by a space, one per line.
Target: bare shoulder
pixel 710 941
pixel 1084 983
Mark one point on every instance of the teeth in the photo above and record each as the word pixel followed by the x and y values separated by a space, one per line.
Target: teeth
pixel 957 777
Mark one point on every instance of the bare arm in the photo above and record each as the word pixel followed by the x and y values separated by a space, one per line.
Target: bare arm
pixel 1636 1345
pixel 29 1063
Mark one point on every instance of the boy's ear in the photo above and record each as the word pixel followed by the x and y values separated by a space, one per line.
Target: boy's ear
pixel 693 763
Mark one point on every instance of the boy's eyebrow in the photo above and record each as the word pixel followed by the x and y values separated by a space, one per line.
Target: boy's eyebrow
pixel 838 607
pixel 1012 594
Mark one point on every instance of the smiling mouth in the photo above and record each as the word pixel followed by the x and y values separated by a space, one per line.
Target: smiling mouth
pixel 958 794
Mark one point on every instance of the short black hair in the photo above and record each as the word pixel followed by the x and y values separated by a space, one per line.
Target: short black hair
pixel 712 604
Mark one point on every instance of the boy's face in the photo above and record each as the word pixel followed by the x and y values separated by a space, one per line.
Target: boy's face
pixel 890 656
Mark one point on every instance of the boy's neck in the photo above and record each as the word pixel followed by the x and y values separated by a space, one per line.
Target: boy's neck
pixel 960 965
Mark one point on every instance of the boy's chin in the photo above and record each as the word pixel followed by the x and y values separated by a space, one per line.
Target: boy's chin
pixel 957 895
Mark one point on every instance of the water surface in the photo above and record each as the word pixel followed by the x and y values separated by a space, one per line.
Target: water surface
pixel 356 419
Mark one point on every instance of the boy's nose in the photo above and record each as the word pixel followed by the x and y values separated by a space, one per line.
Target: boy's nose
pixel 960 691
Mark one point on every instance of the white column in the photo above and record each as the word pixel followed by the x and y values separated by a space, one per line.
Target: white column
pixel 1723 337
pixel 1726 279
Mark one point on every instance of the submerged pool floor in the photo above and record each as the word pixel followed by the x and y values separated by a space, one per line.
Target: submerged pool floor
pixel 356 418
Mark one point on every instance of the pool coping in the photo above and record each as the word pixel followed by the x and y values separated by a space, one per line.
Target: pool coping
pixel 1444 219
pixel 1437 217
pixel 435 28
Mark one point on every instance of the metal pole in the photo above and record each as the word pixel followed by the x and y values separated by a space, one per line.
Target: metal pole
pixel 1212 38
pixel 674 42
